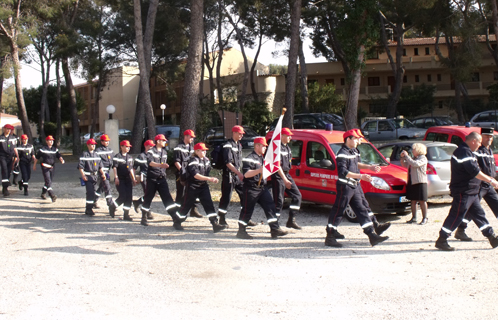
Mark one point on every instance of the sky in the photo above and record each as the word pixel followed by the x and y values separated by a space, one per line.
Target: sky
pixel 31 76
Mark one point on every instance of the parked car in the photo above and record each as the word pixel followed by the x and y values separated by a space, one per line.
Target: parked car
pixel 215 136
pixel 427 122
pixel 389 129
pixel 438 166
pixel 96 136
pixel 170 131
pixel 456 135
pixel 314 121
pixel 314 169
pixel 124 134
pixel 485 119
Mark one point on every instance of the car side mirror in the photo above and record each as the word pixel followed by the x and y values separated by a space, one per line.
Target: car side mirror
pixel 388 160
pixel 325 163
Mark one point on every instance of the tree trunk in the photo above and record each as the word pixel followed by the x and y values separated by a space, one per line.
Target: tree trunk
pixel 96 106
pixel 221 48
pixel 494 51
pixel 304 80
pixel 2 60
pixel 44 99
pixel 58 135
pixel 138 124
pixel 458 102
pixel 253 67
pixel 290 82
pixel 192 72
pixel 351 116
pixel 23 115
pixel 72 106
pixel 398 72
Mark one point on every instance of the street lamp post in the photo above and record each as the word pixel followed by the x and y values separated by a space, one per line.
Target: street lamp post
pixel 112 128
pixel 163 107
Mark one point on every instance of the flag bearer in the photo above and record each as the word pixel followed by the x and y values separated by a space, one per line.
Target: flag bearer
pixel 197 178
pixel 90 167
pixel 48 154
pixel 141 162
pixel 24 154
pixel 124 180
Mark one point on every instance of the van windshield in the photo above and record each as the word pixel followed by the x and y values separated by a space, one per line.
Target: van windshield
pixel 369 155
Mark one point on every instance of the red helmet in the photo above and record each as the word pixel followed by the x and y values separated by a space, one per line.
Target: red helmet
pixel 160 137
pixel 91 141
pixel 200 146
pixel 149 143
pixel 189 133
pixel 287 131
pixel 238 129
pixel 261 140
pixel 125 143
pixel 24 137
pixel 9 126
pixel 49 138
pixel 105 137
pixel 350 133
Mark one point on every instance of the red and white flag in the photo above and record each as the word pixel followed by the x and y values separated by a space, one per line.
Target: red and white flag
pixel 272 158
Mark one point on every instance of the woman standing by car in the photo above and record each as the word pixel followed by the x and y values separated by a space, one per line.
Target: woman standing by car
pixel 416 187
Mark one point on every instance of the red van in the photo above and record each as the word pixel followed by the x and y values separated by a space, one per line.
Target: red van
pixel 314 168
pixel 456 135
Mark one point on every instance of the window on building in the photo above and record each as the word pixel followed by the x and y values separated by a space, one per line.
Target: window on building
pixel 427 51
pixel 329 81
pixel 475 77
pixel 429 78
pixel 404 52
pixel 343 81
pixel 373 81
pixel 440 104
pixel 415 51
pixel 439 77
pixel 374 54
pixel 405 79
pixel 417 78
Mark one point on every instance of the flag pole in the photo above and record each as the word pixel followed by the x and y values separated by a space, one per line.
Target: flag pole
pixel 261 174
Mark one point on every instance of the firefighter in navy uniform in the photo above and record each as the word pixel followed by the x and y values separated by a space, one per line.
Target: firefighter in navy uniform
pixel 24 154
pixel 48 154
pixel 14 165
pixel 283 183
pixel 141 162
pixel 465 183
pixel 486 162
pixel 349 192
pixel 157 158
pixel 124 180
pixel 6 157
pixel 197 178
pixel 106 154
pixel 255 191
pixel 90 167
pixel 183 151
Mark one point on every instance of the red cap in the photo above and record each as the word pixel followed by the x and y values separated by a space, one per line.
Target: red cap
pixel 24 137
pixel 238 129
pixel 200 146
pixel 160 137
pixel 287 131
pixel 149 143
pixel 49 138
pixel 105 137
pixel 350 133
pixel 9 126
pixel 260 140
pixel 125 143
pixel 189 133
pixel 91 141
pixel 358 132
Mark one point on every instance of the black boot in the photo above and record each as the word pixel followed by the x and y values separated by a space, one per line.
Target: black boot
pixel 493 240
pixel 381 227
pixel 54 198
pixel 461 235
pixel 375 238
pixel 143 222
pixel 26 190
pixel 126 216
pixel 242 233
pixel 216 226
pixel 291 223
pixel 223 222
pixel 149 215
pixel 275 233
pixel 136 204
pixel 336 234
pixel 330 240
pixel 20 185
pixel 442 244
pixel 89 212
pixel 177 225
pixel 112 210
pixel 5 192
pixel 44 196
pixel 194 213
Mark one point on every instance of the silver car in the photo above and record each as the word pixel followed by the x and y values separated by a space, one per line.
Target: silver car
pixel 485 119
pixel 438 167
pixel 390 129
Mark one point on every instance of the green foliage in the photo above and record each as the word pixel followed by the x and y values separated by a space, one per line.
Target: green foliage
pixel 9 100
pixel 277 69
pixel 257 116
pixel 321 99
pixel 416 101
pixel 493 93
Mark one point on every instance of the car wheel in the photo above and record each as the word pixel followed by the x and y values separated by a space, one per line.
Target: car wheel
pixel 350 215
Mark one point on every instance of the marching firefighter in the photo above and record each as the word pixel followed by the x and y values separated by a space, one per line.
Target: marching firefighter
pixel 24 154
pixel 106 154
pixel 157 158
pixel 90 166
pixel 48 154
pixel 283 183
pixel 349 192
pixel 141 162
pixel 255 191
pixel 6 157
pixel 124 177
pixel 14 165
pixel 197 178
pixel 183 151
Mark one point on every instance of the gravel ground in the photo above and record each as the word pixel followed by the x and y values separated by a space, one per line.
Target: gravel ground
pixel 61 264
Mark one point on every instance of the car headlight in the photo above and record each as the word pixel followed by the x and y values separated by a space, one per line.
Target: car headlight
pixel 380 183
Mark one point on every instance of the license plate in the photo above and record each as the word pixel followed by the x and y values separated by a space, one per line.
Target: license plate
pixel 403 199
pixel 250 144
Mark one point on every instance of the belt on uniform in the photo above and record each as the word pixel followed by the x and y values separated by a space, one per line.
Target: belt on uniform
pixel 90 173
pixel 351 182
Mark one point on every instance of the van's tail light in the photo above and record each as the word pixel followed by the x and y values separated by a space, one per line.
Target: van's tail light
pixel 431 169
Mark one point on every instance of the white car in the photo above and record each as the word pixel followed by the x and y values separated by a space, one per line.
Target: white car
pixel 485 119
